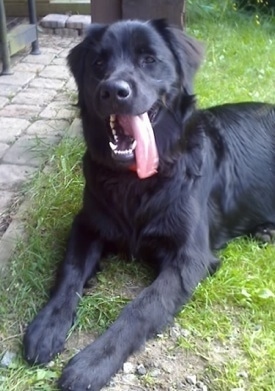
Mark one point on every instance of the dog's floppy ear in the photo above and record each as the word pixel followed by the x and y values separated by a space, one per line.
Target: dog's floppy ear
pixel 77 56
pixel 188 52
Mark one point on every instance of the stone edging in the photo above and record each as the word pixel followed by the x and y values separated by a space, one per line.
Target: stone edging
pixel 65 25
pixel 16 232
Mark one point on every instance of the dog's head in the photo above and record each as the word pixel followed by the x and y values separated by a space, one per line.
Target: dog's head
pixel 127 73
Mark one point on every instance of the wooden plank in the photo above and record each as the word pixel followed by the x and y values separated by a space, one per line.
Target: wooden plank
pixel 106 11
pixel 172 10
pixel 20 8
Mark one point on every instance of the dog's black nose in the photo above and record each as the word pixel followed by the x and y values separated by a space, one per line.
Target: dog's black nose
pixel 116 90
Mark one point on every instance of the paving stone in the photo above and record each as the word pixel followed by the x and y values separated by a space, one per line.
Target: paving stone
pixel 29 150
pixel 54 20
pixel 65 32
pixel 78 21
pixel 65 53
pixel 75 130
pixel 63 96
pixel 55 127
pixel 3 101
pixel 57 46
pixel 12 175
pixel 33 96
pixel 3 148
pixel 55 72
pixel 6 198
pixel 17 78
pixel 11 128
pixel 59 61
pixel 8 90
pixel 46 30
pixel 9 241
pixel 58 110
pixel 43 58
pixel 71 85
pixel 28 67
pixel 20 111
pixel 42 82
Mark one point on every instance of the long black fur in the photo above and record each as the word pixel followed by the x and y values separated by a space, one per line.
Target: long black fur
pixel 215 181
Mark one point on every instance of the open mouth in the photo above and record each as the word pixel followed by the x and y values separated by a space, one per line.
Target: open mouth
pixel 132 140
pixel 123 143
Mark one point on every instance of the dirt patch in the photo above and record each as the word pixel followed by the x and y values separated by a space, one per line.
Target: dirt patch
pixel 160 366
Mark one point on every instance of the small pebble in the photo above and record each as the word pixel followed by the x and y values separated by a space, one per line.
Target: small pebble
pixel 7 359
pixel 128 368
pixel 201 386
pixel 141 370
pixel 155 372
pixel 243 374
pixel 191 379
pixel 175 332
pixel 185 333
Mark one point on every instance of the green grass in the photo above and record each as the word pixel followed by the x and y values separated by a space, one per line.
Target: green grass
pixel 231 318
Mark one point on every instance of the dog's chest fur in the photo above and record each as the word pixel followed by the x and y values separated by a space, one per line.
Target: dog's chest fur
pixel 138 215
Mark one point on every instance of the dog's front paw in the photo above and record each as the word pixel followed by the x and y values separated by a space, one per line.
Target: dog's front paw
pixel 93 367
pixel 45 336
pixel 78 376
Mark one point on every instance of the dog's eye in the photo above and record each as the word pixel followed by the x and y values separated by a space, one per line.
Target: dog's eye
pixel 148 59
pixel 99 62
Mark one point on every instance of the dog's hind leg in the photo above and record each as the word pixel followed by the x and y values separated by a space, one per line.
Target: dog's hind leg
pixel 46 334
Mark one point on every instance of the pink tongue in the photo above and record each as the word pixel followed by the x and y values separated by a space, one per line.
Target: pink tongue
pixel 146 152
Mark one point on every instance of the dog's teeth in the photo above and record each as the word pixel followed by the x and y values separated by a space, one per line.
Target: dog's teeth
pixel 112 146
pixel 134 144
pixel 122 152
pixel 112 118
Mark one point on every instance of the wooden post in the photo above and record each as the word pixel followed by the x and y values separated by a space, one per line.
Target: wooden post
pixel 172 10
pixel 107 11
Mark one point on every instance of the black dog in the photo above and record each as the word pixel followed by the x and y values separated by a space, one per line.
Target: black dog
pixel 165 182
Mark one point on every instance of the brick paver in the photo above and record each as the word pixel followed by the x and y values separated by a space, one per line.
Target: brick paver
pixel 29 150
pixel 6 198
pixel 44 59
pixel 54 20
pixel 55 72
pixel 12 175
pixel 78 21
pixel 34 97
pixel 18 78
pixel 20 111
pixel 28 67
pixel 59 110
pixel 11 128
pixel 54 127
pixel 3 148
pixel 9 90
pixel 42 82
pixel 36 110
pixel 3 101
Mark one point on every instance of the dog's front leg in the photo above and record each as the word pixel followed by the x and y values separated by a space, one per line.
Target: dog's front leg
pixel 46 334
pixel 153 309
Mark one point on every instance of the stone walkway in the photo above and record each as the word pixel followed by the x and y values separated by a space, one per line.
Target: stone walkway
pixel 36 110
